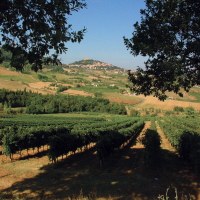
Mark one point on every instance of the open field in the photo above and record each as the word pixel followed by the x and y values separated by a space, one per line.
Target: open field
pixel 167 104
pixel 124 99
pixel 77 92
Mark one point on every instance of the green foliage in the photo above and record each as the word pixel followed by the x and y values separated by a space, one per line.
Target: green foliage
pixel 98 94
pixel 178 109
pixel 134 113
pixel 22 34
pixel 49 120
pixel 190 110
pixel 61 88
pixel 9 141
pixel 78 85
pixel 15 98
pixel 196 95
pixel 43 77
pixel 114 137
pixel 189 148
pixel 168 36
pixel 169 112
pixel 5 55
pixel 66 135
pixel 54 68
pixel 184 134
pixel 40 104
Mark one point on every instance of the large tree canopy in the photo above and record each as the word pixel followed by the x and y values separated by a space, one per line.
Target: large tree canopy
pixel 33 29
pixel 169 36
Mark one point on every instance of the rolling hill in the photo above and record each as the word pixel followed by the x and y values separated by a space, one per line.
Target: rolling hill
pixel 88 80
pixel 93 64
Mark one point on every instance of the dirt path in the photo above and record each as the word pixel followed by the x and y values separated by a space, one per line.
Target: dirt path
pixel 165 144
pixel 139 144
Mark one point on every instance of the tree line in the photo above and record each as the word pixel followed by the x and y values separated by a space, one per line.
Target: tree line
pixel 42 104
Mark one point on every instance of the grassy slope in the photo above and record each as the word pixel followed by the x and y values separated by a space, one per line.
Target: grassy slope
pixel 106 83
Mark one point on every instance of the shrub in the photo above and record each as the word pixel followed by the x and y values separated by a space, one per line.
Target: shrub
pixel 134 113
pixel 78 85
pixel 190 110
pixel 178 109
pixel 98 94
pixel 189 148
pixel 43 78
pixel 62 88
pixel 169 113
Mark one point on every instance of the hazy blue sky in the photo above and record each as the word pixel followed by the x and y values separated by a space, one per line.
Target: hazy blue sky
pixel 107 21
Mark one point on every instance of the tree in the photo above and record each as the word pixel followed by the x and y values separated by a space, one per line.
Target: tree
pixel 169 36
pixel 33 29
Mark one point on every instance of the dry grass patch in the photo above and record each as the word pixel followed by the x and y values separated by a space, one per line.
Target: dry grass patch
pixel 12 85
pixel 124 99
pixel 77 92
pixel 39 85
pixel 166 105
pixel 7 72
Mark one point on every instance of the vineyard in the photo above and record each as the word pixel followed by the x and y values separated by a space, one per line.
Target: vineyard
pixel 184 135
pixel 65 135
pixel 174 127
pixel 95 151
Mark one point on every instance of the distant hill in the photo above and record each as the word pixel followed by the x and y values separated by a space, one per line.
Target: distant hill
pixel 93 64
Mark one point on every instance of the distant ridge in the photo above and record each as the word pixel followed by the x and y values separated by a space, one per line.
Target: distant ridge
pixel 93 64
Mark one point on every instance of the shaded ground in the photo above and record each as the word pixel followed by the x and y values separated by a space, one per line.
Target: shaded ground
pixel 123 177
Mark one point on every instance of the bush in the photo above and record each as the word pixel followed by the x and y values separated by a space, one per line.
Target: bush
pixel 178 109
pixel 169 113
pixel 98 94
pixel 78 85
pixel 134 113
pixel 190 110
pixel 43 78
pixel 57 69
pixel 189 148
pixel 62 88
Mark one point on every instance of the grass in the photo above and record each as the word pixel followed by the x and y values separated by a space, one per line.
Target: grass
pixel 83 115
pixel 196 95
pixel 101 89
pixel 125 99
pixel 26 78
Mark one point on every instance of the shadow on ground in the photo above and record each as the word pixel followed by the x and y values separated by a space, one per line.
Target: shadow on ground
pixel 124 176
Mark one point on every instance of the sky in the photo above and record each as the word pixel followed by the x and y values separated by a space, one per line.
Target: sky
pixel 106 21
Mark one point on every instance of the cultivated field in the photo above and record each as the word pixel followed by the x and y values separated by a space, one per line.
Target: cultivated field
pixel 93 83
